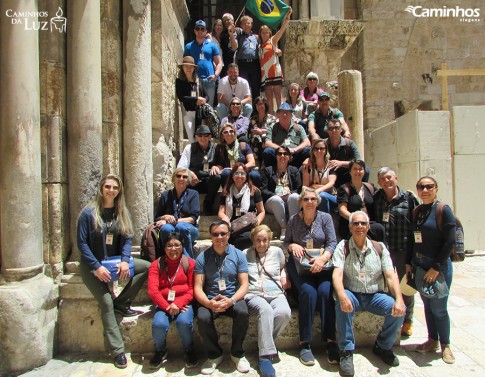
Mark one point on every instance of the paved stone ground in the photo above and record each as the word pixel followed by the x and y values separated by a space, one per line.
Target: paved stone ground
pixel 467 310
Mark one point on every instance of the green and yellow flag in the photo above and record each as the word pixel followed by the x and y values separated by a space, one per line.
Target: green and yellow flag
pixel 271 12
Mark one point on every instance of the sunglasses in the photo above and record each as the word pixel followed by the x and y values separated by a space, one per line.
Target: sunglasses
pixel 204 135
pixel 312 79
pixel 361 223
pixel 181 176
pixel 220 234
pixel 173 246
pixel 324 99
pixel 109 187
pixel 319 149
pixel 333 128
pixel 199 28
pixel 282 154
pixel 240 173
pixel 228 132
pixel 427 187
pixel 236 104
pixel 309 200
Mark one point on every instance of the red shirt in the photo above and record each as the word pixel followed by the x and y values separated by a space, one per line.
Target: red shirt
pixel 159 285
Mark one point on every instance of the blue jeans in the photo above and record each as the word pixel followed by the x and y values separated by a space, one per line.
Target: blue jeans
pixel 436 309
pixel 209 87
pixel 314 293
pixel 377 303
pixel 188 232
pixel 184 321
pixel 329 202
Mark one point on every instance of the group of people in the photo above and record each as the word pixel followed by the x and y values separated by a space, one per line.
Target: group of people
pixel 357 274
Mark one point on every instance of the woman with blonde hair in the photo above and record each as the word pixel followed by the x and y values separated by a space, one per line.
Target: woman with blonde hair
pixel 104 229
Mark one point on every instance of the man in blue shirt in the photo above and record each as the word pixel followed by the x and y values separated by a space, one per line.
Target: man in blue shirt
pixel 220 283
pixel 206 56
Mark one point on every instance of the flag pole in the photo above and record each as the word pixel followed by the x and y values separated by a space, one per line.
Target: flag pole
pixel 242 11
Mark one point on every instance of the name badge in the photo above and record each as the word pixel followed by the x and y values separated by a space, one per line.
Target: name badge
pixel 238 211
pixel 109 239
pixel 309 243
pixel 260 282
pixel 222 285
pixel 418 237
pixel 193 93
pixel 287 142
pixel 251 45
pixel 201 56
pixel 205 167
pixel 171 295
pixel 385 217
pixel 362 275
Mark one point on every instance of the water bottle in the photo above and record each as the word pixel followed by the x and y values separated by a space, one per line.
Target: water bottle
pixel 459 244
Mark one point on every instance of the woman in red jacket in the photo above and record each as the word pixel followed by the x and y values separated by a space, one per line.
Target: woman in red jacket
pixel 171 288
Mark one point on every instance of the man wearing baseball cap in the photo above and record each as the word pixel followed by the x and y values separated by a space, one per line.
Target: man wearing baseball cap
pixel 318 120
pixel 206 56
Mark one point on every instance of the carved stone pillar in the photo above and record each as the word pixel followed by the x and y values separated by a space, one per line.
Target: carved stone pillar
pixel 27 298
pixel 351 104
pixel 304 10
pixel 84 131
pixel 137 126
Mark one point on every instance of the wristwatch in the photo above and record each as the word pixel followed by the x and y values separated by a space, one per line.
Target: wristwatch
pixel 233 301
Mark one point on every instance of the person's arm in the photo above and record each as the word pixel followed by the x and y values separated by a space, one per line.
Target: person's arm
pixel 311 127
pixel 332 178
pixel 305 142
pixel 251 163
pixel 221 99
pixel 269 143
pixel 232 38
pixel 218 65
pixel 199 293
pixel 295 181
pixel 338 287
pixel 345 127
pixel 306 175
pixel 261 212
pixel 283 27
pixel 247 99
pixel 83 232
pixel 185 157
pixel 191 208
pixel 243 279
pixel 154 287
pixel 222 213
pixel 343 211
pixel 399 308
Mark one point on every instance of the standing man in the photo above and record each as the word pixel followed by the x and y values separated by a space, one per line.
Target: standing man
pixel 206 56
pixel 288 133
pixel 220 284
pixel 230 87
pixel 394 209
pixel 318 120
pixel 362 268
pixel 247 56
pixel 228 42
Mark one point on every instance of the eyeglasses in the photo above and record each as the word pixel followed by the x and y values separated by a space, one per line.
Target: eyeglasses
pixel 173 246
pixel 204 135
pixel 360 223
pixel 181 176
pixel 240 173
pixel 319 149
pixel 220 234
pixel 309 200
pixel 199 28
pixel 228 132
pixel 109 187
pixel 333 128
pixel 324 99
pixel 282 154
pixel 312 79
pixel 285 113
pixel 427 187
pixel 236 104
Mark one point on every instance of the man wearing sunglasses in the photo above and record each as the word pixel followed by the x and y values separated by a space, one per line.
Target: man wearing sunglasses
pixel 318 120
pixel 362 268
pixel 206 56
pixel 220 284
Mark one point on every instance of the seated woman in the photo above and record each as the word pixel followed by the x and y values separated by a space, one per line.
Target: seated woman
pixel 105 229
pixel 312 229
pixel 178 210
pixel 357 195
pixel 296 101
pixel 230 151
pixel 237 119
pixel 239 197
pixel 318 176
pixel 259 123
pixel 266 295
pixel 310 92
pixel 280 186
pixel 171 288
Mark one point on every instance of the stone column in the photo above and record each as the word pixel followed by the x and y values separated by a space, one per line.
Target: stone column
pixel 304 10
pixel 137 126
pixel 27 298
pixel 351 104
pixel 84 131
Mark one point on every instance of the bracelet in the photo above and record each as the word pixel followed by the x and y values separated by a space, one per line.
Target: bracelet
pixel 233 301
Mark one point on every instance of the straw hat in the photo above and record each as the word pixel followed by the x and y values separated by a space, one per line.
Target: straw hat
pixel 188 60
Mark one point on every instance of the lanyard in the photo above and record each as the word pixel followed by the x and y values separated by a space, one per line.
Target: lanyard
pixel 178 207
pixel 260 262
pixel 221 268
pixel 171 281
pixel 362 260
pixel 423 216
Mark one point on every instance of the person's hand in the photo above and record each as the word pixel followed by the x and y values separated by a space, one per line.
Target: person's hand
pixel 345 303
pixel 347 135
pixel 123 270
pixel 431 275
pixel 297 250
pixel 257 131
pixel 185 308
pixel 226 219
pixel 212 77
pixel 195 179
pixel 218 304
pixel 103 274
pixel 278 52
pixel 173 309
pixel 334 164
pixel 201 101
pixel 398 309
pixel 230 28
pixel 288 14
pixel 409 268
pixel 169 219
pixel 215 170
pixel 317 264
pixel 160 223
pixel 285 283
pixel 306 164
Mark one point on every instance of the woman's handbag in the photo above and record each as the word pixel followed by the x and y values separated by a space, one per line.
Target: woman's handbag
pixel 208 113
pixel 244 223
pixel 111 264
pixel 303 264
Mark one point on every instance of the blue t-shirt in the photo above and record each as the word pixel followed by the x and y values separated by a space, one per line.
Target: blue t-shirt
pixel 209 50
pixel 210 264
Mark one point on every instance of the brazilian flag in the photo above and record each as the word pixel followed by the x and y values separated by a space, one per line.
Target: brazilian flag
pixel 271 12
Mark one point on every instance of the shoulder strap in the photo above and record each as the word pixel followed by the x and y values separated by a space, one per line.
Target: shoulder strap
pixel 416 211
pixel 346 249
pixel 370 186
pixel 439 215
pixel 378 247
pixel 184 261
pixel 346 187
pixel 161 263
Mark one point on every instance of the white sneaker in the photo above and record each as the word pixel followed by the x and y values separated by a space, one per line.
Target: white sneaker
pixel 210 365
pixel 242 364
pixel 282 234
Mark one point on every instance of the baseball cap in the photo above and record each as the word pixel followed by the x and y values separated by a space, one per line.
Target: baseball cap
pixel 203 130
pixel 323 94
pixel 285 107
pixel 200 23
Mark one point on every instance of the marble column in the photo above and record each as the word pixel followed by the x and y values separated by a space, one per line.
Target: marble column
pixel 84 130
pixel 137 126
pixel 28 300
pixel 304 10
pixel 351 104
